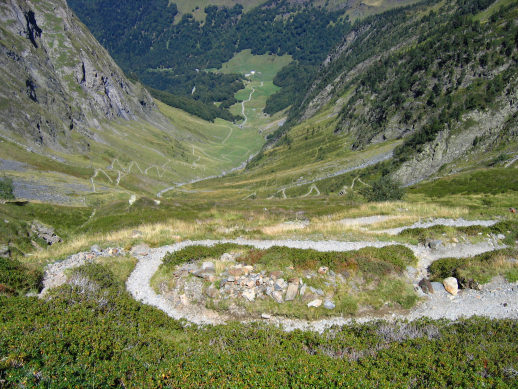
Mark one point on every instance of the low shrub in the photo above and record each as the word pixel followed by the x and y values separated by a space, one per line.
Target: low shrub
pixel 385 189
pixel 6 189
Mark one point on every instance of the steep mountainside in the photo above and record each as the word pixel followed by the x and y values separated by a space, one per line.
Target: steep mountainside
pixel 71 122
pixel 55 72
pixel 440 78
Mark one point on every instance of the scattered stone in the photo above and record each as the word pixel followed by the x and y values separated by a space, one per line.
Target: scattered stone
pixel 44 232
pixel 212 292
pixel 251 284
pixel 276 274
pixel 435 244
pixel 320 292
pixel 470 284
pixel 249 294
pixel 451 285
pixel 208 266
pixel 248 269
pixel 266 316
pixel 280 284
pixel 291 293
pixel 95 249
pixel 237 271
pixel 315 303
pixel 328 304
pixel 303 289
pixel 323 270
pixel 5 252
pixel 500 236
pixel 226 257
pixel 277 296
pixel 455 240
pixel 140 250
pixel 132 199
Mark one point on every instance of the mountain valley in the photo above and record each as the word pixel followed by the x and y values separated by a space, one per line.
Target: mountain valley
pixel 258 193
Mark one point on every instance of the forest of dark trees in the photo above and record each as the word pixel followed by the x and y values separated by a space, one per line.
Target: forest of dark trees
pixel 172 57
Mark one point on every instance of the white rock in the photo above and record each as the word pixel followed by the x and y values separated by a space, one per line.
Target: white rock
pixel 451 285
pixel 277 296
pixel 280 284
pixel 303 289
pixel 208 266
pixel 249 294
pixel 266 316
pixel 315 303
pixel 132 199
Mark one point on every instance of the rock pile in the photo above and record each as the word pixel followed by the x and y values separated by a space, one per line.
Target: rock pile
pixel 44 232
pixel 239 281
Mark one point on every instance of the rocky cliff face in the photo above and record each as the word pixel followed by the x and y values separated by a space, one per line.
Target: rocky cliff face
pixel 57 80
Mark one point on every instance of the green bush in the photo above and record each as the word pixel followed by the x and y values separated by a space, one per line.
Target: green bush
pixel 6 189
pixel 15 278
pixel 385 189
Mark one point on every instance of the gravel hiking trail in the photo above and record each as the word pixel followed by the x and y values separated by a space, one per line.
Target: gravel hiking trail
pixel 498 299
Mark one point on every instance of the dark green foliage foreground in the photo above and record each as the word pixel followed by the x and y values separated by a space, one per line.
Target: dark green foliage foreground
pixel 96 334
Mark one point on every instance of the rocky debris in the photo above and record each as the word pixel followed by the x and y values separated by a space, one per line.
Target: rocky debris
pixel 277 296
pixel 426 286
pixel 320 292
pixel 303 289
pixel 500 236
pixel 280 284
pixel 266 316
pixel 469 284
pixel 45 232
pixel 208 266
pixel 323 270
pixel 140 250
pixel 328 304
pixel 95 249
pixel 212 292
pixel 315 303
pixel 435 244
pixel 451 285
pixel 292 291
pixel 5 252
pixel 249 294
pixel 226 257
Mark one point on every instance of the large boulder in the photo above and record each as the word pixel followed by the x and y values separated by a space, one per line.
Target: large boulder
pixel 451 285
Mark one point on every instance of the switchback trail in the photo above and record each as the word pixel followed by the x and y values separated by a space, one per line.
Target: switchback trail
pixel 495 301
pixel 498 299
